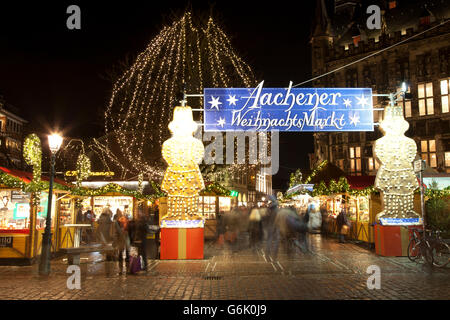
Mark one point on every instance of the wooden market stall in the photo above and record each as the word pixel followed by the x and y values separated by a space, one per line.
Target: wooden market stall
pixel 209 205
pixel 363 208
pixel 22 218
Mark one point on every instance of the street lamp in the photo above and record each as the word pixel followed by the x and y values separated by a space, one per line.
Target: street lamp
pixel 54 142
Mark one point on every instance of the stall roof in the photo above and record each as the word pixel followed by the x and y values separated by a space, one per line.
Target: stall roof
pixel 27 177
pixel 360 182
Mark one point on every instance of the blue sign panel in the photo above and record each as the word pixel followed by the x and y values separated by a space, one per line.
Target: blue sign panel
pixel 400 221
pixel 288 109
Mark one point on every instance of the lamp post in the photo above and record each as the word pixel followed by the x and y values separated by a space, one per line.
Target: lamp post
pixel 54 142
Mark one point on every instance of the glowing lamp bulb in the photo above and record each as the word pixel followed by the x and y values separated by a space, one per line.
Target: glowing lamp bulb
pixel 54 142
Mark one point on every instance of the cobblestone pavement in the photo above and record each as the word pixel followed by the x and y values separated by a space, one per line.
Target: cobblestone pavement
pixel 331 271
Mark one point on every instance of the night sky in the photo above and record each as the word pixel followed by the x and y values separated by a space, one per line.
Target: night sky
pixel 58 77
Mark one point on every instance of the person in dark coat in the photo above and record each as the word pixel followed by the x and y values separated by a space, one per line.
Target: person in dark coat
pixel 342 220
pixel 255 228
pixel 221 228
pixel 142 228
pixel 273 232
pixel 80 217
pixel 104 228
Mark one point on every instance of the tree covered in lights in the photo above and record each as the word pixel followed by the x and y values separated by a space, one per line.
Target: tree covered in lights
pixel 188 54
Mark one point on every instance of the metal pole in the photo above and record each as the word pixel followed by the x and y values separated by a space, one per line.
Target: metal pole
pixel 422 205
pixel 44 266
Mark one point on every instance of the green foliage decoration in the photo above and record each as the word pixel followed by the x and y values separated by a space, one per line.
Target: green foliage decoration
pixel 217 188
pixel 83 168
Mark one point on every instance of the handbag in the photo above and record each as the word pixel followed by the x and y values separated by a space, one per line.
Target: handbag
pixel 221 240
pixel 135 264
pixel 345 228
pixel 230 236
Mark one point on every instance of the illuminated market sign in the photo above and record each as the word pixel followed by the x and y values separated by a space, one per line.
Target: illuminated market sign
pixel 300 187
pixel 75 173
pixel 288 109
pixel 6 242
pixel 234 193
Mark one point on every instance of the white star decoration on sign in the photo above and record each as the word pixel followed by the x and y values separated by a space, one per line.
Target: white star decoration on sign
pixel 221 122
pixel 347 103
pixel 354 120
pixel 215 102
pixel 232 100
pixel 362 101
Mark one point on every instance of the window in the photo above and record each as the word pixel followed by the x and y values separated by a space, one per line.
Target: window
pixel 425 95
pixel 447 159
pixel 341 164
pixel 428 150
pixel 406 103
pixel 355 159
pixel 444 94
pixel 351 78
pixel 370 164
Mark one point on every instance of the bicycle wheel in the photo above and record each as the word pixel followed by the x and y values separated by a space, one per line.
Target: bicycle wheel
pixel 427 253
pixel 441 254
pixel 413 250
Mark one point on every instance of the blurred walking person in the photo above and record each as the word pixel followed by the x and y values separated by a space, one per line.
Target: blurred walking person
pixel 342 222
pixel 221 229
pixel 243 234
pixel 255 228
pixel 143 230
pixel 273 234
pixel 120 241
pixel 104 227
pixel 232 228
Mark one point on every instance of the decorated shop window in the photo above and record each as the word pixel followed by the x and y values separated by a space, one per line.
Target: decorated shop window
pixel 42 211
pixel 124 204
pixel 207 205
pixel 363 209
pixel 14 210
pixel 225 204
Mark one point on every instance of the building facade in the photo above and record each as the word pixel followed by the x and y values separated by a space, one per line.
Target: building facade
pixel 11 136
pixel 340 36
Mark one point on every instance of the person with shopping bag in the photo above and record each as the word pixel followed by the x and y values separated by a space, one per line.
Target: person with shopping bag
pixel 343 225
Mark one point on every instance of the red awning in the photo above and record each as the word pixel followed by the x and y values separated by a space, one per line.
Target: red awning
pixel 360 182
pixel 27 177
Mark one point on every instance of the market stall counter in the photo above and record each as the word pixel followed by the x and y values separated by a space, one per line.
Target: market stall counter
pixel 22 217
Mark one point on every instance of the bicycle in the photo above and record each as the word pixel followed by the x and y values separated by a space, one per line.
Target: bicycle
pixel 440 250
pixel 418 248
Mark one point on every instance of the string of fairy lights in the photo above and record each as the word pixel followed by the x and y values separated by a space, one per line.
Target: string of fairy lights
pixel 190 54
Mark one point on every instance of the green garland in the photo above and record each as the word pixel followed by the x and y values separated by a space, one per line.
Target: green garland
pixel 316 171
pixel 111 187
pixel 157 188
pixel 342 186
pixel 295 178
pixel 217 188
pixel 12 182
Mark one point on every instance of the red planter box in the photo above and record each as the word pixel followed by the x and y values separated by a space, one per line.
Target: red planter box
pixel 392 241
pixel 182 243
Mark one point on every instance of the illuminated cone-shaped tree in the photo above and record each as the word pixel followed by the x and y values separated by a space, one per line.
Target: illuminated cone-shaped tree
pixel 187 54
